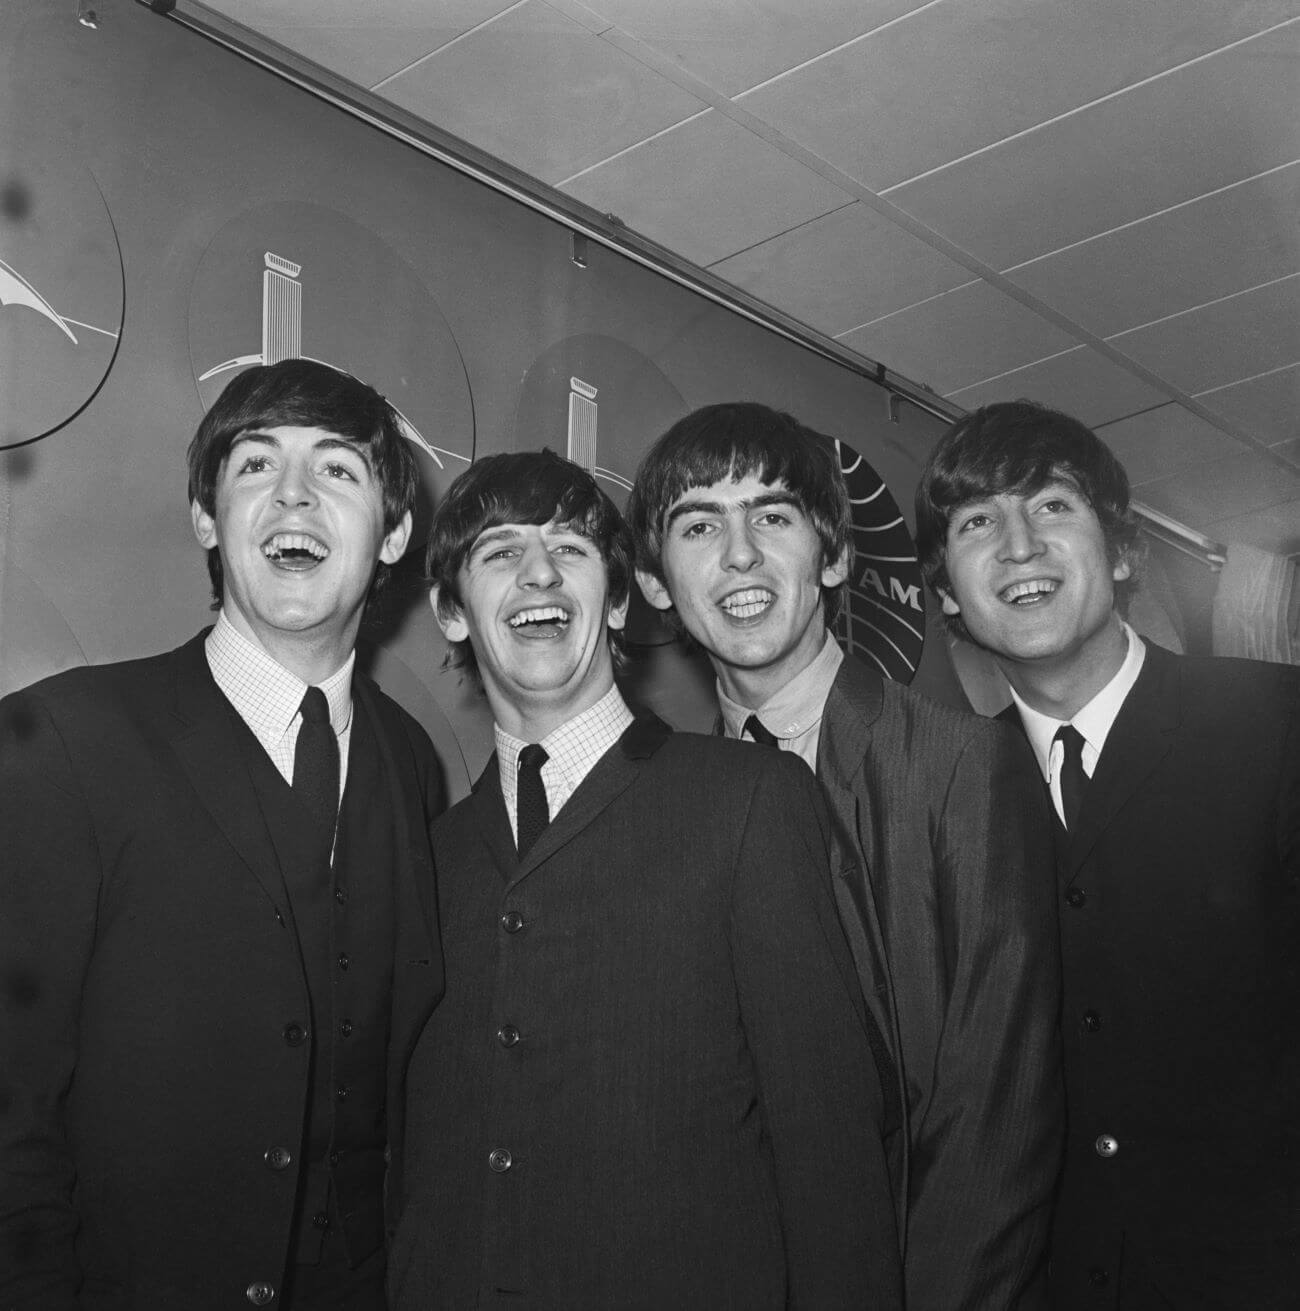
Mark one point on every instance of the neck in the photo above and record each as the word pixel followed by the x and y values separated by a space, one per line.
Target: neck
pixel 311 656
pixel 1061 688
pixel 535 718
pixel 754 687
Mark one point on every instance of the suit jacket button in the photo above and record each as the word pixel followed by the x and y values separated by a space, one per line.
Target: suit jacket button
pixel 294 1034
pixel 507 1035
pixel 1106 1146
pixel 1075 897
pixel 260 1293
pixel 278 1158
pixel 499 1160
pixel 1091 1021
pixel 512 921
pixel 321 1220
pixel 1098 1277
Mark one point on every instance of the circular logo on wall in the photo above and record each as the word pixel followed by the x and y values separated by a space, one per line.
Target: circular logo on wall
pixel 300 280
pixel 61 295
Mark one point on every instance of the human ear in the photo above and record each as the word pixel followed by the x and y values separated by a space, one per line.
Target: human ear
pixel 950 606
pixel 617 616
pixel 834 574
pixel 453 625
pixel 205 526
pixel 654 590
pixel 393 546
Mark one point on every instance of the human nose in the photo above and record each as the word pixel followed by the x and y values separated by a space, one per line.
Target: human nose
pixel 1019 539
pixel 740 550
pixel 293 488
pixel 537 568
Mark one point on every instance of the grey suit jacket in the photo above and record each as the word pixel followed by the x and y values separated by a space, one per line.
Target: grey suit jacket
pixel 946 813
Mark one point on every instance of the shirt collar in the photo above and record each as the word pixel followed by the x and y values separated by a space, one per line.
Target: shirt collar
pixel 571 750
pixel 795 708
pixel 266 695
pixel 1094 720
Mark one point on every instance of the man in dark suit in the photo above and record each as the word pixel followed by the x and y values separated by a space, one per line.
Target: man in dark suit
pixel 743 528
pixel 217 943
pixel 1176 784
pixel 650 1084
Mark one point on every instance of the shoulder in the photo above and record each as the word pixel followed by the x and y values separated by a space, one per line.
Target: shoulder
pixel 1250 680
pixel 705 755
pixel 95 687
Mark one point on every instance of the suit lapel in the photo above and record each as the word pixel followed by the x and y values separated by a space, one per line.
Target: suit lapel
pixel 208 748
pixel 1140 738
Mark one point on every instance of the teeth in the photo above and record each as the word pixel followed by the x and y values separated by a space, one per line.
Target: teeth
pixel 277 545
pixel 539 615
pixel 745 605
pixel 1031 587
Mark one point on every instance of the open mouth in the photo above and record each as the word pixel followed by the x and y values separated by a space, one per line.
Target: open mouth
pixel 540 621
pixel 1033 591
pixel 748 604
pixel 296 552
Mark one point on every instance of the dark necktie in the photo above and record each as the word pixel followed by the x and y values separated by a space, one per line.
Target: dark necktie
pixel 532 812
pixel 316 759
pixel 1073 779
pixel 754 727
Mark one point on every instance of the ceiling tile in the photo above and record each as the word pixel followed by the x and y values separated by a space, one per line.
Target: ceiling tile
pixel 1206 126
pixel 738 44
pixel 1223 489
pixel 1081 382
pixel 957 77
pixel 708 189
pixel 1238 238
pixel 1239 337
pixel 843 269
pixel 541 92
pixel 1154 444
pixel 1267 407
pixel 959 338
pixel 1276 529
pixel 362 40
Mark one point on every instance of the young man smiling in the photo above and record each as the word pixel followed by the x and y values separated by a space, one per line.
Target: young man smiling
pixel 1176 784
pixel 743 529
pixel 217 886
pixel 651 1083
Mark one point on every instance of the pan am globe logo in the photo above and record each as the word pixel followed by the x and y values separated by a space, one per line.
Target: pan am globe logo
pixel 61 295
pixel 293 280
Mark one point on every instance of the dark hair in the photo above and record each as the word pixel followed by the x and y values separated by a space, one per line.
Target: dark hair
pixel 742 439
pixel 526 487
pixel 304 394
pixel 1018 447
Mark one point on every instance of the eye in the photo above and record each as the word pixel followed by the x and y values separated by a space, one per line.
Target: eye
pixel 254 464
pixel 569 548
pixel 772 519
pixel 699 528
pixel 1056 505
pixel 337 470
pixel 974 522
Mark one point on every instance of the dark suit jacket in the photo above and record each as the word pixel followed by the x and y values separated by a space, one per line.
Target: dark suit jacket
pixel 150 967
pixel 648 1085
pixel 1180 936
pixel 946 811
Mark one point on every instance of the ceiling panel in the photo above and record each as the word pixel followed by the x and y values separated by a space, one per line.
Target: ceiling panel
pixel 932 88
pixel 742 190
pixel 1267 407
pixel 1238 238
pixel 1158 442
pixel 1204 127
pixel 541 92
pixel 1276 529
pixel 843 269
pixel 1223 489
pixel 736 45
pixel 1081 382
pixel 363 40
pixel 1225 340
pixel 959 338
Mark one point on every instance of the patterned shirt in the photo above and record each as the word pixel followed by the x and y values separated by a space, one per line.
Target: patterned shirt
pixel 572 752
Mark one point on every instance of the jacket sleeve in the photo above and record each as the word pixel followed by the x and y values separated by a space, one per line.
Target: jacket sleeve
pixel 49 891
pixel 819 1090
pixel 986 1155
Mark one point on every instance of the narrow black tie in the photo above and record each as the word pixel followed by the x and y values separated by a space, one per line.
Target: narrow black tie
pixel 316 759
pixel 754 727
pixel 1073 779
pixel 532 812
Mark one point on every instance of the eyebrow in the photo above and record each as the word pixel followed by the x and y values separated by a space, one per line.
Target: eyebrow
pixel 697 505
